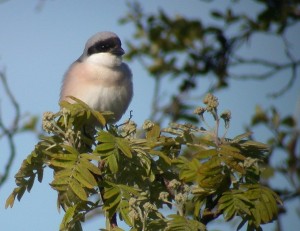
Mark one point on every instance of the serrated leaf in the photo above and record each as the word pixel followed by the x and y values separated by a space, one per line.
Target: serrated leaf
pixel 112 200
pixel 124 147
pixel 59 187
pixel 67 157
pixel 70 149
pixel 91 167
pixel 203 154
pixel 105 137
pixel 207 140
pixel 129 189
pixel 90 156
pixel 61 163
pixel 63 173
pixel 124 212
pixel 234 152
pixel 86 174
pixel 100 118
pixel 256 215
pixel 78 190
pixel 256 145
pixel 83 181
pixel 67 218
pixel 79 102
pixel 154 132
pixel 105 147
pixel 229 212
pixel 241 137
pixel 112 163
pixel 61 180
pixel 179 223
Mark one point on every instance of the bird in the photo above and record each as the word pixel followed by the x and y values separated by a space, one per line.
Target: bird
pixel 99 77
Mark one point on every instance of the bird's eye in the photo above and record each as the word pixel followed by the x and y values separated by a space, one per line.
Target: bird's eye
pixel 102 46
pixel 105 46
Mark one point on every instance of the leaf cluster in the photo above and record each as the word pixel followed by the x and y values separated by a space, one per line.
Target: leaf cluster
pixel 286 138
pixel 192 171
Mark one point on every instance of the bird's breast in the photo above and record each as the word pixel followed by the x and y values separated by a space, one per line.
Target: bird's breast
pixel 102 88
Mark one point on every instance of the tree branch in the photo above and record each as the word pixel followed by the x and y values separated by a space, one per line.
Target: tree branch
pixel 9 132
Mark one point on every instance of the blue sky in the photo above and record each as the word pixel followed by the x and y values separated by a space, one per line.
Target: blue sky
pixel 36 48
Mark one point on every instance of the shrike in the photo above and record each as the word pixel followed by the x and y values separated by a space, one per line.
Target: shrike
pixel 99 77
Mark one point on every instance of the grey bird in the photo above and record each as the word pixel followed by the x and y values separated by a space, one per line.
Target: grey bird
pixel 99 77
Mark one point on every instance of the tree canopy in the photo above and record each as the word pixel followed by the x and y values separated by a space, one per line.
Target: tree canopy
pixel 134 172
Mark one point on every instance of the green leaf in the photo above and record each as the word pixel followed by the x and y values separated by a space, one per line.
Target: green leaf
pixel 256 202
pixel 10 200
pixel 67 218
pixel 78 190
pixel 105 137
pixel 61 164
pixel 179 223
pixel 90 156
pixel 70 149
pixel 99 117
pixel 129 189
pixel 234 152
pixel 63 173
pixel 61 181
pixel 124 212
pixel 112 163
pixel 124 147
pixel 241 137
pixel 83 181
pixel 111 191
pixel 87 175
pixel 88 165
pixel 112 199
pixel 203 154
pixel 105 147
pixel 153 133
pixel 67 157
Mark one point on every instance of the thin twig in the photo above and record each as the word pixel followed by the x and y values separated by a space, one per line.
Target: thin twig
pixel 275 68
pixel 9 132
pixel 294 64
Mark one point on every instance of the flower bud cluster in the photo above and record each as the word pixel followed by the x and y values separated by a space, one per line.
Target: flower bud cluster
pixel 163 196
pixel 226 116
pixel 148 125
pixel 199 111
pixel 211 102
pixel 129 127
pixel 47 122
pixel 174 184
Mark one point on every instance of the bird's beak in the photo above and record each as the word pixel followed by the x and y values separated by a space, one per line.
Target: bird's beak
pixel 118 51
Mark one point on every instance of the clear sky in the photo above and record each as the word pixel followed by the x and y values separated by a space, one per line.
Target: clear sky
pixel 36 48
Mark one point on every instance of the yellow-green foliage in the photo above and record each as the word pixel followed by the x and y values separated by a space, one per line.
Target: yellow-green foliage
pixel 195 172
